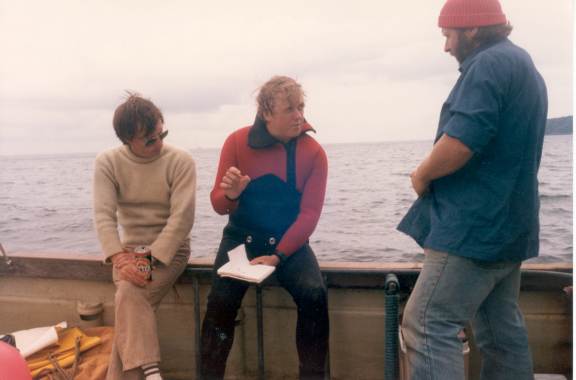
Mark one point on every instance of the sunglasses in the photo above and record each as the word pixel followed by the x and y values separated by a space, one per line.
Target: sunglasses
pixel 151 141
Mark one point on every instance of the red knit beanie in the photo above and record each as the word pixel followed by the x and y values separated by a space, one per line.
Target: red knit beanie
pixel 471 14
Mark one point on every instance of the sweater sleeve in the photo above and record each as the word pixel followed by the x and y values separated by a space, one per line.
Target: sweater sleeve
pixel 310 207
pixel 105 206
pixel 182 208
pixel 228 158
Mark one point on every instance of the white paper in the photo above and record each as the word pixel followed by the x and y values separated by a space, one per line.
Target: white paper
pixel 238 256
pixel 239 267
pixel 33 340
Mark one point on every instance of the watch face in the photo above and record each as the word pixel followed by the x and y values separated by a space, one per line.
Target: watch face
pixel 142 249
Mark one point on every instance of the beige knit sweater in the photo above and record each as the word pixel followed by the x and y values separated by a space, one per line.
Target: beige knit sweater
pixel 152 200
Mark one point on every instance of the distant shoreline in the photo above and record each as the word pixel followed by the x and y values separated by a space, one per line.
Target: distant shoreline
pixel 559 126
pixel 554 127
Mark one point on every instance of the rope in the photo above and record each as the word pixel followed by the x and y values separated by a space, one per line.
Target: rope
pixel 59 373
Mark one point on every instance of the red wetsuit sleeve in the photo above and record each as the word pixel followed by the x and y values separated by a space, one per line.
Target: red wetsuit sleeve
pixel 310 206
pixel 228 158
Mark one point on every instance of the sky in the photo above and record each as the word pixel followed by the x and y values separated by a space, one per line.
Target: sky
pixel 372 70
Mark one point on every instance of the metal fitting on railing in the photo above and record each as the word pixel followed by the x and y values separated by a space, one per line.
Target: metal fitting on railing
pixel 90 313
pixel 391 285
pixel 7 260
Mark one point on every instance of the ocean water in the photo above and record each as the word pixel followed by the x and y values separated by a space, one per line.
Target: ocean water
pixel 46 203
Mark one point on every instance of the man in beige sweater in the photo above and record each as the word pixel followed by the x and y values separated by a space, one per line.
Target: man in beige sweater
pixel 148 190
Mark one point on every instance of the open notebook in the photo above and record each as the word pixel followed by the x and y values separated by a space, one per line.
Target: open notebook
pixel 239 267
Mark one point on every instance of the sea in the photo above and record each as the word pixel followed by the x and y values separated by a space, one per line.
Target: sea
pixel 46 203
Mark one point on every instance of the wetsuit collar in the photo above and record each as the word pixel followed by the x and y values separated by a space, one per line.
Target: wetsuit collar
pixel 259 137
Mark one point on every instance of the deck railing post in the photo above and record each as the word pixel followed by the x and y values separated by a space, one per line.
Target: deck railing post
pixel 391 365
pixel 327 375
pixel 260 332
pixel 197 342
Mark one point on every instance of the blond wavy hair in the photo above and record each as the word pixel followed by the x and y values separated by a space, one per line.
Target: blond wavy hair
pixel 277 85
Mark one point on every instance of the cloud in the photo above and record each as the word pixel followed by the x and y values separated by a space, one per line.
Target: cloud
pixel 375 66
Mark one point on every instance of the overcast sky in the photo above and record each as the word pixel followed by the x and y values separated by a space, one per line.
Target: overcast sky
pixel 373 70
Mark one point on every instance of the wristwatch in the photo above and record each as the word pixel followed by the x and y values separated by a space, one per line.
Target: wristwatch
pixel 282 257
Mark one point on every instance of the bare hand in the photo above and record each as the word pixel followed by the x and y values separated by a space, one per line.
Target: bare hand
pixel 234 182
pixel 121 259
pixel 271 260
pixel 419 184
pixel 125 264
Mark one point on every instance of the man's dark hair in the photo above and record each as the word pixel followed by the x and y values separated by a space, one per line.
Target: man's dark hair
pixel 484 36
pixel 134 115
pixel 492 33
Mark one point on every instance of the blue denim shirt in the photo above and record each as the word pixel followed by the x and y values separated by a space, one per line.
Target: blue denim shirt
pixel 488 210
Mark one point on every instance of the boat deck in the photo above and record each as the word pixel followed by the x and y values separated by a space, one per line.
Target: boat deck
pixel 43 289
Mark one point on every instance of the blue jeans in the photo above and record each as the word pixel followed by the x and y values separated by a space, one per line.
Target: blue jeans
pixel 452 291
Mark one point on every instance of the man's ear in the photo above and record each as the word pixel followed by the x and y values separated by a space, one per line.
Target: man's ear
pixel 471 33
pixel 266 116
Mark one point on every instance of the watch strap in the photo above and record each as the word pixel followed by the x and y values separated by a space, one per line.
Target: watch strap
pixel 282 257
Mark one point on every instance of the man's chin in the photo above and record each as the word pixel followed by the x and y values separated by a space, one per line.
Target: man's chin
pixel 153 153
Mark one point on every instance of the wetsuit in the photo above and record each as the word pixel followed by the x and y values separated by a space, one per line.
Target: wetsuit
pixel 277 212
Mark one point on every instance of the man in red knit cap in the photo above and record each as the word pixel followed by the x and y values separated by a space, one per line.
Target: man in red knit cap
pixel 271 180
pixel 476 215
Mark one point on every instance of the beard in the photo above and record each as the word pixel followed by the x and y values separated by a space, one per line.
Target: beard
pixel 464 48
